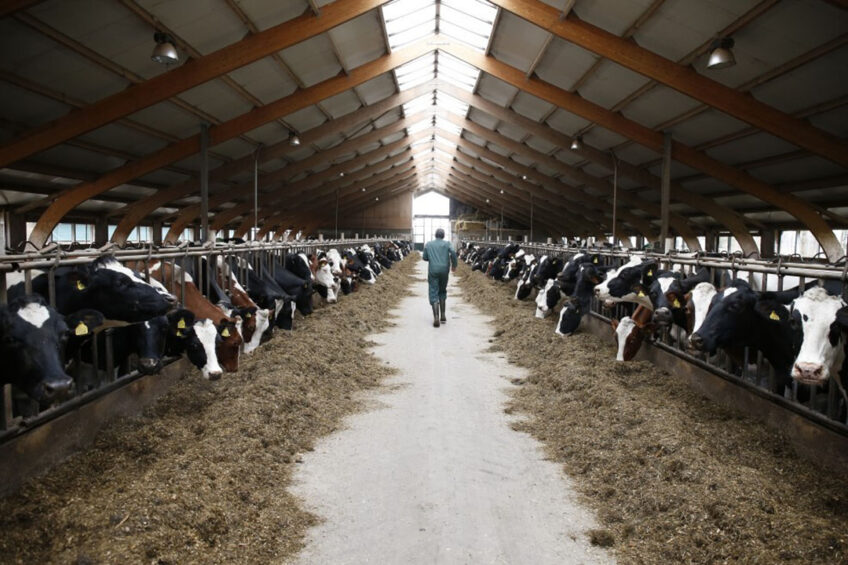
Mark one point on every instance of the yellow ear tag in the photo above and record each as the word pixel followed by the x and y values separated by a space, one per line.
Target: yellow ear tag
pixel 181 324
pixel 225 333
pixel 641 293
pixel 774 316
pixel 80 286
pixel 650 273
pixel 676 303
pixel 247 314
pixel 595 260
pixel 81 329
pixel 180 334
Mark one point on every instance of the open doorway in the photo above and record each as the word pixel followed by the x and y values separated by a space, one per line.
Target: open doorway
pixel 430 212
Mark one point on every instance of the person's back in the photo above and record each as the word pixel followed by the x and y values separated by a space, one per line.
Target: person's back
pixel 441 257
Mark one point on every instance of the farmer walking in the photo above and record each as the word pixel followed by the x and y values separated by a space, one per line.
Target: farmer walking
pixel 441 256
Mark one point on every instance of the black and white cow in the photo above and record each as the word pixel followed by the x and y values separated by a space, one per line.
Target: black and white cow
pixel 293 285
pixel 741 317
pixel 822 351
pixel 32 340
pixel 104 285
pixel 524 284
pixel 619 284
pixel 577 306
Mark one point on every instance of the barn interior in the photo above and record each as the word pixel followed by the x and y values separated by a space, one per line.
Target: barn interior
pixel 293 154
pixel 550 118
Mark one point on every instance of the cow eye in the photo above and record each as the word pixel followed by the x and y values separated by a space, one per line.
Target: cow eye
pixel 805 317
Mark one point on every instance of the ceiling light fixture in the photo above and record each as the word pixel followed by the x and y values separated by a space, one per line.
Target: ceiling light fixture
pixel 721 55
pixel 294 139
pixel 577 143
pixel 523 177
pixel 341 174
pixel 363 189
pixel 501 191
pixel 165 52
pixel 376 198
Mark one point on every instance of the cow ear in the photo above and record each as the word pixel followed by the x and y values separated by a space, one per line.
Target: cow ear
pixel 78 279
pixel 84 322
pixel 771 310
pixel 842 318
pixel 614 324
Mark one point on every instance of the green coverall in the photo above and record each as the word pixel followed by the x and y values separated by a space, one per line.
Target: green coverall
pixel 440 255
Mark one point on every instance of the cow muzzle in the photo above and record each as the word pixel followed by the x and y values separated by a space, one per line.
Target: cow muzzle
pixel 149 365
pixel 810 373
pixel 662 316
pixel 696 342
pixel 57 389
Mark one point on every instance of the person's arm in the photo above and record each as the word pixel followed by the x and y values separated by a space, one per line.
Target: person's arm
pixel 425 256
pixel 453 257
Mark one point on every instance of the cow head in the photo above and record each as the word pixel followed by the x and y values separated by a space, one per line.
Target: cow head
pixel 261 319
pixel 822 347
pixel 569 318
pixel 548 299
pixel 32 338
pixel 207 335
pixel 326 283
pixel 630 332
pixel 111 288
pixel 229 345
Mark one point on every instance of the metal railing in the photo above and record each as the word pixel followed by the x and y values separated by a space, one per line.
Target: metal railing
pixel 18 413
pixel 777 274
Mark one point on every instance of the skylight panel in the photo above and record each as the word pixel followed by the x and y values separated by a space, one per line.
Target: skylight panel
pixel 421 104
pixel 414 80
pixel 401 39
pixel 444 154
pixel 459 33
pixel 421 63
pixel 466 21
pixel 451 104
pixel 396 9
pixel 448 126
pixel 410 20
pixel 480 9
pixel 420 126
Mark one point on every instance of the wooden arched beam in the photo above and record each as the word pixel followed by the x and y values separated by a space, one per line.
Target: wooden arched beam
pixel 519 195
pixel 457 181
pixel 78 194
pixel 400 169
pixel 244 192
pixel 682 78
pixel 733 221
pixel 641 224
pixel 329 179
pixel 196 72
pixel 681 152
pixel 138 211
pixel 679 223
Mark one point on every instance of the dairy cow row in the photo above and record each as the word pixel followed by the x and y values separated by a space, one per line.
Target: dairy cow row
pixel 211 311
pixel 801 332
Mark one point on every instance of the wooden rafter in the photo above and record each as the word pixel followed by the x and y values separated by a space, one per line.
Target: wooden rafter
pixel 682 79
pixel 733 221
pixel 218 134
pixel 654 140
pixel 173 82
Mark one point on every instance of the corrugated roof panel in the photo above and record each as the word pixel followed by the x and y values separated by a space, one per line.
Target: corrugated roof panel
pixel 265 79
pixel 610 84
pixel 678 28
pixel 495 90
pixel 834 122
pixel 517 42
pixel 360 40
pixel 513 132
pixel 614 16
pixel 482 118
pixel 76 158
pixel 797 170
pixel 531 107
pixel 269 133
pixel 312 60
pixel 706 126
pixel 341 104
pixel 603 139
pixel 376 89
pixel 206 25
pixel 267 14
pixel 564 63
pixel 812 84
pixel 233 148
pixel 27 109
pixel 306 118
pixel 636 154
pixel 539 144
pixel 750 148
pixel 115 136
pixel 566 122
pixel 217 99
pixel 658 105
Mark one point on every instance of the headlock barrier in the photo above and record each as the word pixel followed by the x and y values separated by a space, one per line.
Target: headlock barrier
pixel 19 413
pixel 754 375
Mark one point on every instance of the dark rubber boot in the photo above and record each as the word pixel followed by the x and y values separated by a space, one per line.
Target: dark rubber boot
pixel 442 309
pixel 436 323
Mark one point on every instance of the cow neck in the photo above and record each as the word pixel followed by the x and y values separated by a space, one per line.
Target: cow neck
pixel 641 316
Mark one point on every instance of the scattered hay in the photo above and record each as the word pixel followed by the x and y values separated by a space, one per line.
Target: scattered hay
pixel 674 478
pixel 201 477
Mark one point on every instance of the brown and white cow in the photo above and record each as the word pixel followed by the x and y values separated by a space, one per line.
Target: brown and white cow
pixel 630 331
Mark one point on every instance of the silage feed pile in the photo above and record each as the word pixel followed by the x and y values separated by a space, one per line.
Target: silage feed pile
pixel 673 477
pixel 201 477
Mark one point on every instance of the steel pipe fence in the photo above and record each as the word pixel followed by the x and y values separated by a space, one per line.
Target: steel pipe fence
pixel 18 413
pixel 756 374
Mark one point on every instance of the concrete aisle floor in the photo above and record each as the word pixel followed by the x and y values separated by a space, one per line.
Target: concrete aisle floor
pixel 434 474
